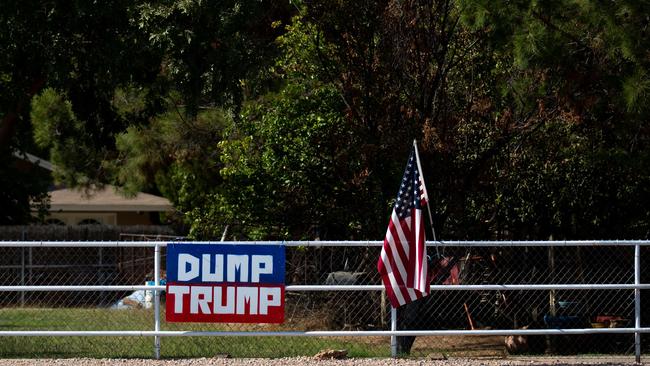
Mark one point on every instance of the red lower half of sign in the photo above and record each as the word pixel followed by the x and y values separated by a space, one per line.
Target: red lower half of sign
pixel 225 303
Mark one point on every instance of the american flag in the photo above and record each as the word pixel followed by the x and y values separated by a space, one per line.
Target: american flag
pixel 403 260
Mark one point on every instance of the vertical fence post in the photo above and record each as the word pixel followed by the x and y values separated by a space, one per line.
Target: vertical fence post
pixel 22 271
pixel 156 270
pixel 393 327
pixel 637 302
pixel 30 268
pixel 22 277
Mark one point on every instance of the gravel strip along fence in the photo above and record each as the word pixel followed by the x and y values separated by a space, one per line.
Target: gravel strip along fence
pixel 312 361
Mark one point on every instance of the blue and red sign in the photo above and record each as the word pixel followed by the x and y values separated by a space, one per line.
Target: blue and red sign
pixel 216 283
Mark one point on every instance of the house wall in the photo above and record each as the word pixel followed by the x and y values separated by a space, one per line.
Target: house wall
pixel 106 218
pixel 74 218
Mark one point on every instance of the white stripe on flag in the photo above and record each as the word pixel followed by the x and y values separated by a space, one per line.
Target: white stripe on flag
pixel 416 260
pixel 396 258
pixel 400 233
pixel 391 278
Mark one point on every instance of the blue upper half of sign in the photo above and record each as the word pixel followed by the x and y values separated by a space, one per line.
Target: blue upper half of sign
pixel 219 263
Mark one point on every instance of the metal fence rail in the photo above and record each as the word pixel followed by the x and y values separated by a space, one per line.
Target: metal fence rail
pixel 598 280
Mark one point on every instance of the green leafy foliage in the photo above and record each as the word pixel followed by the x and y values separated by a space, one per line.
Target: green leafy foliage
pixel 288 166
pixel 177 155
pixel 81 50
pixel 293 167
pixel 114 62
pixel 290 120
pixel 212 50
pixel 567 154
pixel 56 127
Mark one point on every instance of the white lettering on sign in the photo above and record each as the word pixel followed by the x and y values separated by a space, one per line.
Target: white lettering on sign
pixel 211 267
pixel 178 292
pixel 229 306
pixel 238 263
pixel 247 295
pixel 238 300
pixel 200 297
pixel 262 264
pixel 185 261
pixel 217 274
pixel 269 296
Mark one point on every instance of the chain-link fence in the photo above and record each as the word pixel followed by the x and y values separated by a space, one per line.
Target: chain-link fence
pixel 590 301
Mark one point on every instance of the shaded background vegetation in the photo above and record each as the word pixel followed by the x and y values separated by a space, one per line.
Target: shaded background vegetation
pixel 293 119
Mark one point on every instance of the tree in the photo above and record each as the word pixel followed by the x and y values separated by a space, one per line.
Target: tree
pixel 202 51
pixel 291 168
pixel 177 155
pixel 213 50
pixel 243 116
pixel 80 48
pixel 213 54
pixel 390 61
pixel 109 67
pixel 572 150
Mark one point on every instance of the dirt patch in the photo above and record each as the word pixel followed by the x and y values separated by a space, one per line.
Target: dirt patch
pixel 460 346
pixel 437 346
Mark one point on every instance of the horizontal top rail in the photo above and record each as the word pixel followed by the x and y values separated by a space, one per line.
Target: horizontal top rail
pixel 329 243
pixel 504 287
pixel 317 333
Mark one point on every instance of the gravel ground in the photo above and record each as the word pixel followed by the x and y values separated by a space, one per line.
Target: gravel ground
pixel 540 361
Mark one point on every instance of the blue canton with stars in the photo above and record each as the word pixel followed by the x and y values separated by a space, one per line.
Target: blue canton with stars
pixel 408 196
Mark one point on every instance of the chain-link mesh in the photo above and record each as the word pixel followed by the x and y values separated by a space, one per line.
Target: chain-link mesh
pixel 330 310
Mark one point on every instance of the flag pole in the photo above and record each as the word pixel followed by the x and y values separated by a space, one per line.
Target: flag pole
pixel 417 159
